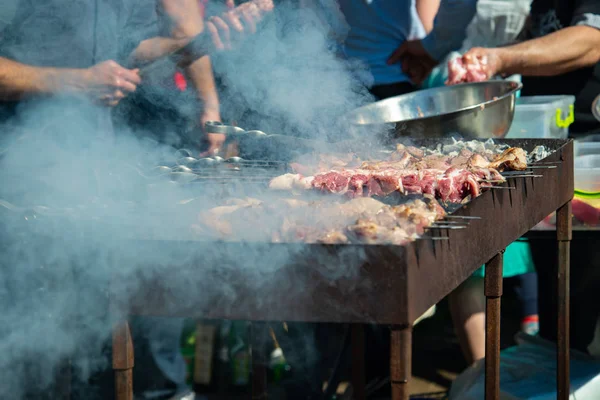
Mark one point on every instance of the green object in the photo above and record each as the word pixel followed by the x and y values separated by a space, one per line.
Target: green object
pixel 278 365
pixel 564 123
pixel 188 349
pixel 517 260
pixel 239 353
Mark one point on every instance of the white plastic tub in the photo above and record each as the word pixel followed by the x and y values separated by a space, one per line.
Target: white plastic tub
pixel 587 173
pixel 542 117
pixel 587 145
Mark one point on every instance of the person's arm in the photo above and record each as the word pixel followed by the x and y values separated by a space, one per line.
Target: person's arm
pixel 19 80
pixel 201 75
pixel 450 27
pixel 560 52
pixel 427 10
pixel 106 82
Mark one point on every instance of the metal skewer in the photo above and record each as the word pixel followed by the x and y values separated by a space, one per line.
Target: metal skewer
pixel 500 187
pixel 461 217
pixel 433 238
pixel 541 166
pixel 445 227
pixel 524 176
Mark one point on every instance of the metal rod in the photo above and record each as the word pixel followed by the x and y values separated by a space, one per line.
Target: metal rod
pixel 400 361
pixel 500 187
pixel 445 227
pixel 509 173
pixel 564 236
pixel 441 221
pixel 493 293
pixel 123 360
pixel 524 176
pixel 358 361
pixel 541 166
pixel 433 238
pixel 461 217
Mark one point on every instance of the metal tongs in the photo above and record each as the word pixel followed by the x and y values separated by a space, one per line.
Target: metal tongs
pixel 258 144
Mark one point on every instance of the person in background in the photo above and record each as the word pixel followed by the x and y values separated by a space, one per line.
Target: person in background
pixel 559 53
pixel 496 23
pixel 376 29
pixel 84 70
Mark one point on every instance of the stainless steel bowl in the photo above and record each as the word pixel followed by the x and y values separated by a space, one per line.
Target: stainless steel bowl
pixel 473 110
pixel 596 107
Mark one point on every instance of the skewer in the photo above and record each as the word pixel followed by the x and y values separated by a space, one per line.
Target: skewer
pixel 500 187
pixel 445 227
pixel 433 238
pixel 541 166
pixel 509 173
pixel 461 217
pixel 546 162
pixel 452 222
pixel 523 176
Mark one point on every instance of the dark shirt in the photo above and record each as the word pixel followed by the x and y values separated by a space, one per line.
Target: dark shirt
pixel 548 16
pixel 74 34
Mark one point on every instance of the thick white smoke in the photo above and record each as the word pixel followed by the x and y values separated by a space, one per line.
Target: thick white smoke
pixel 88 203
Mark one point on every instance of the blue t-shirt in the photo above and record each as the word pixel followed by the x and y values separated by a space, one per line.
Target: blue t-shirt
pixel 376 30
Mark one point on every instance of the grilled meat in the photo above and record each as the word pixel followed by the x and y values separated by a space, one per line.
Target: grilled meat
pixel 363 220
pixel 513 158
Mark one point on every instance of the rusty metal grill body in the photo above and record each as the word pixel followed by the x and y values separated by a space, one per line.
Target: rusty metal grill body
pixel 404 281
pixel 382 284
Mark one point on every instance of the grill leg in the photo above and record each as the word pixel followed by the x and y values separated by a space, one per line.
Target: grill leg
pixel 400 361
pixel 258 334
pixel 493 294
pixel 563 235
pixel 64 381
pixel 358 361
pixel 122 360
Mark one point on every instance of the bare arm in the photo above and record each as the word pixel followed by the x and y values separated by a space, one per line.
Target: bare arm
pixel 18 80
pixel 201 75
pixel 427 10
pixel 560 52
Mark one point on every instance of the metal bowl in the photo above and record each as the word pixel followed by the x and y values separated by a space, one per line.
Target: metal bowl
pixel 472 110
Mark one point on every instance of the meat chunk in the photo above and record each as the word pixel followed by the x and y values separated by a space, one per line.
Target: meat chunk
pixel 466 69
pixel 513 158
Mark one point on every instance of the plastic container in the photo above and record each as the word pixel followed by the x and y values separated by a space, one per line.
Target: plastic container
pixel 587 145
pixel 587 173
pixel 542 117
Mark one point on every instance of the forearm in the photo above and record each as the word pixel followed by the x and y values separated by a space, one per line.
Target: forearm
pixel 155 48
pixel 18 81
pixel 201 75
pixel 450 27
pixel 560 52
pixel 427 10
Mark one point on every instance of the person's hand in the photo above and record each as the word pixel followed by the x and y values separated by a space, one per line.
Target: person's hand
pixel 487 61
pixel 230 27
pixel 185 17
pixel 417 63
pixel 215 141
pixel 108 83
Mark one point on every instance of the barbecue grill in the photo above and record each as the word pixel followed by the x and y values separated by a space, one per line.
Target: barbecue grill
pixel 390 285
pixel 384 284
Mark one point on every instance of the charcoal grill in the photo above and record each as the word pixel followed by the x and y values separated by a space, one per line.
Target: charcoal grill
pixel 386 284
pixel 391 285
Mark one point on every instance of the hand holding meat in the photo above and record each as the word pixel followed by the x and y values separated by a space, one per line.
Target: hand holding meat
pixel 231 26
pixel 476 65
pixel 108 83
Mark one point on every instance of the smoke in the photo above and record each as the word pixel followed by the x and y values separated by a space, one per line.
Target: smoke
pixel 290 79
pixel 94 225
